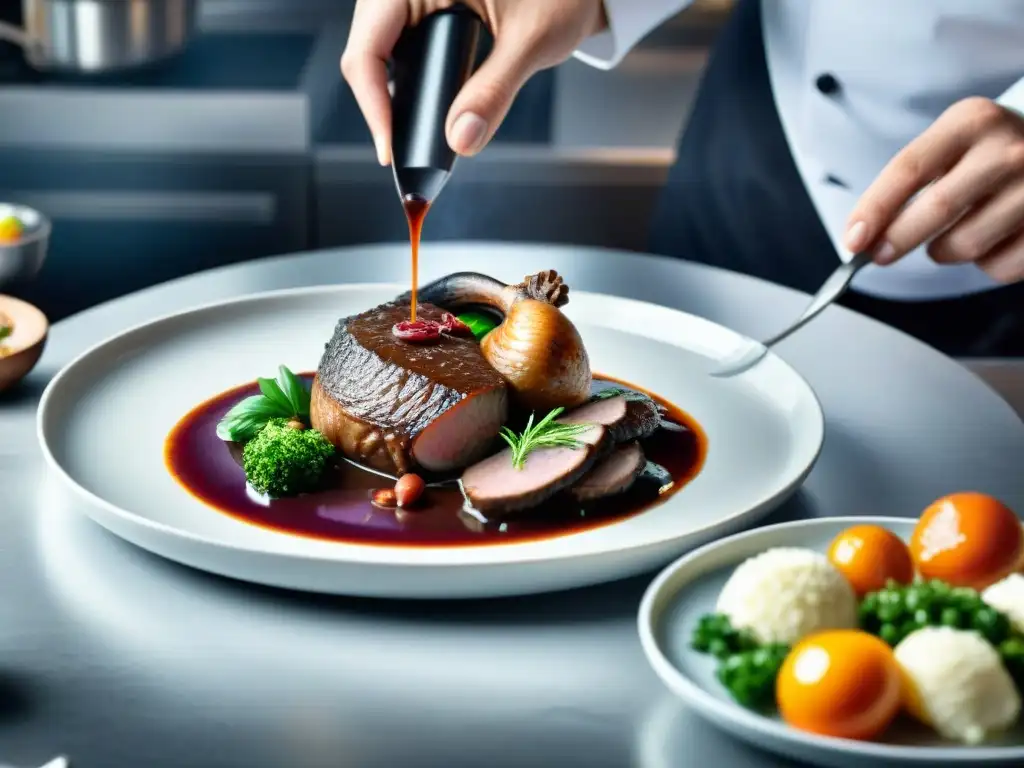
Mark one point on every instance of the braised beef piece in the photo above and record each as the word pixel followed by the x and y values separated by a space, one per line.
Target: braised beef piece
pixel 496 487
pixel 613 474
pixel 397 406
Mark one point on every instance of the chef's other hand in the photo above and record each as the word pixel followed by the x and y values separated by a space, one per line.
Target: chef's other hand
pixel 529 35
pixel 969 169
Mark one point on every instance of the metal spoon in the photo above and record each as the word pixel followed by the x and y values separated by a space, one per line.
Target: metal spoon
pixel 834 287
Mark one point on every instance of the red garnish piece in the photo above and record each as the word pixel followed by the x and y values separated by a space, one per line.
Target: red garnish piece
pixel 451 324
pixel 418 332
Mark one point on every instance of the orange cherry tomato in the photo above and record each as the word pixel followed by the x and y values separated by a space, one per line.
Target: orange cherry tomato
pixel 869 555
pixel 11 230
pixel 842 683
pixel 968 540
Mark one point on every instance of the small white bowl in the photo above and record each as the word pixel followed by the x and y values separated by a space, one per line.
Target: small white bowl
pixel 22 260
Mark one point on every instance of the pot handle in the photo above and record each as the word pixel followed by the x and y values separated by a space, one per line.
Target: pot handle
pixel 16 35
pixel 20 38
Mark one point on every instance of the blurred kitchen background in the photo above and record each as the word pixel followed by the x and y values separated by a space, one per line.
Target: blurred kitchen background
pixel 246 143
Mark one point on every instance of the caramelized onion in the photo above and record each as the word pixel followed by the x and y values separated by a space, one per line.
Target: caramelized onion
pixel 539 352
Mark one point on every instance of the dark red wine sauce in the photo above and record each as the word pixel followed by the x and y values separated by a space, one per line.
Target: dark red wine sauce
pixel 210 470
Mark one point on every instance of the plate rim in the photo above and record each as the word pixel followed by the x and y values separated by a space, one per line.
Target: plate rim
pixel 389 555
pixel 740 720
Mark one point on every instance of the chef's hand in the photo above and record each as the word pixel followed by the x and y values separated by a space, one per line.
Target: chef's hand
pixel 530 35
pixel 969 169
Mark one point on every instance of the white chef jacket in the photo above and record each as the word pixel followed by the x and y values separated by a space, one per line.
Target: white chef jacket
pixel 899 65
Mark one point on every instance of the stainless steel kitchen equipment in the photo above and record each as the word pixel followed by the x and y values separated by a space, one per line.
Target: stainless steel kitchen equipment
pixel 97 36
pixel 159 171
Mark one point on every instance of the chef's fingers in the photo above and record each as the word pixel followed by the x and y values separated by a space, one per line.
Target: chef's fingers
pixel 376 27
pixel 488 95
pixel 939 206
pixel 529 36
pixel 922 161
pixel 983 229
pixel 1006 263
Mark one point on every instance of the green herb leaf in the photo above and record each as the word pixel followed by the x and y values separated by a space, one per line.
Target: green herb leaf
pixel 248 417
pixel 5 331
pixel 628 394
pixel 546 433
pixel 240 429
pixel 296 392
pixel 285 398
pixel 480 323
pixel 273 392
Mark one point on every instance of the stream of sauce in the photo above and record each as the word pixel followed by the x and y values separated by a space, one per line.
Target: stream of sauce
pixel 416 209
pixel 211 471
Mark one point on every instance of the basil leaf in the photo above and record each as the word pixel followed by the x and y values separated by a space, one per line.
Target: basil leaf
pixel 274 394
pixel 257 405
pixel 240 429
pixel 256 409
pixel 296 392
pixel 5 331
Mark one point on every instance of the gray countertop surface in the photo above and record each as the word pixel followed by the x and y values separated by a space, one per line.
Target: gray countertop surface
pixel 120 659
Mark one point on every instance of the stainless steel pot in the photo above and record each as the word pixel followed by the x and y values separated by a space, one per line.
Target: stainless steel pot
pixel 96 36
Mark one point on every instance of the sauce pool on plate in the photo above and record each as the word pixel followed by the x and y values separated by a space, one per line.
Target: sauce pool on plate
pixel 211 471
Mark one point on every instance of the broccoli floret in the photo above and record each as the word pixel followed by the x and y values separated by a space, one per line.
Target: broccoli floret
pixel 283 460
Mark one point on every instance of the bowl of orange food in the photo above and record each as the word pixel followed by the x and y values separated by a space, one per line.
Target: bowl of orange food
pixel 24 240
pixel 842 640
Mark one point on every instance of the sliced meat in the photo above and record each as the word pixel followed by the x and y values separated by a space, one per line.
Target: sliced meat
pixel 495 487
pixel 396 406
pixel 613 474
pixel 630 416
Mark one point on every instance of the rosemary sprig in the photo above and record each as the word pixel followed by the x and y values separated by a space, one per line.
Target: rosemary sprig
pixel 546 433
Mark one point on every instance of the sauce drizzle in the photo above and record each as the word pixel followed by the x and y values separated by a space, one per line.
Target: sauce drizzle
pixel 416 208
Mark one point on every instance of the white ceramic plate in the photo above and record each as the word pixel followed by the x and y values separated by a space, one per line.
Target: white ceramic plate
pixel 689 588
pixel 104 419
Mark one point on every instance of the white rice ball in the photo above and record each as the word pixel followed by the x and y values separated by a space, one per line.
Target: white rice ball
pixel 1007 596
pixel 787 593
pixel 959 685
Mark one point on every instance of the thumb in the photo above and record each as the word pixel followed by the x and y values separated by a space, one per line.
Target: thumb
pixel 487 97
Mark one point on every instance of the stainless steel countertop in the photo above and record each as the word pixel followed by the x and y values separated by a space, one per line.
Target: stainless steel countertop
pixel 120 659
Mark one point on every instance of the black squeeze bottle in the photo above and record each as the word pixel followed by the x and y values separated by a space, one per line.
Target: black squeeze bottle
pixel 430 64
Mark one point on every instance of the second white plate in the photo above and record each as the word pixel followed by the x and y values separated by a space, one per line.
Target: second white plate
pixel 104 419
pixel 689 589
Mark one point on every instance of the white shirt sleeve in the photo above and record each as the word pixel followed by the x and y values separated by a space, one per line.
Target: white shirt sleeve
pixel 629 21
pixel 1013 98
